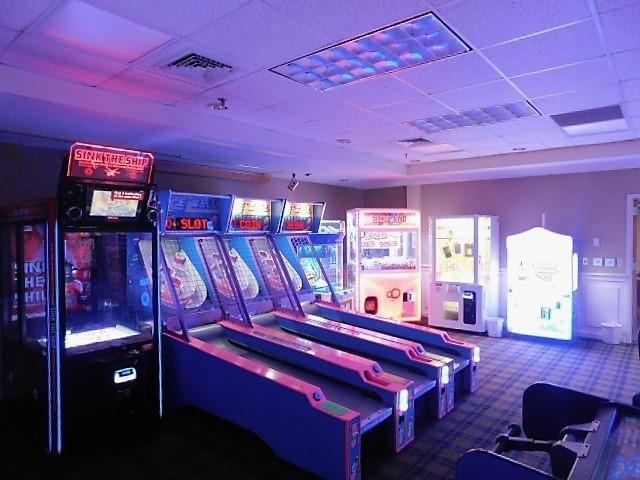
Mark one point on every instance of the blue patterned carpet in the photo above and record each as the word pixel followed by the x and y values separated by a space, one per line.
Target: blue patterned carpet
pixel 190 445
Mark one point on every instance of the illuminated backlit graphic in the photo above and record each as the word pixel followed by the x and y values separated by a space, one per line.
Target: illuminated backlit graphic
pixel 113 203
pixel 297 217
pixel 389 219
pixel 250 215
pixel 94 162
pixel 540 276
pixel 89 337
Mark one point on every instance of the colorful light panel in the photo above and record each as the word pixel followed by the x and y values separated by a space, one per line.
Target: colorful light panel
pixel 475 117
pixel 413 42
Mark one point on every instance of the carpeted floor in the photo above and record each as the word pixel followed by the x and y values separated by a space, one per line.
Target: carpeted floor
pixel 190 445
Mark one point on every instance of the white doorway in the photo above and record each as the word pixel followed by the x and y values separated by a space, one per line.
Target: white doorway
pixel 633 261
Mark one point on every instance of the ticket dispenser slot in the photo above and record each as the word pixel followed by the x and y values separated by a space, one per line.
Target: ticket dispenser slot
pixel 469 307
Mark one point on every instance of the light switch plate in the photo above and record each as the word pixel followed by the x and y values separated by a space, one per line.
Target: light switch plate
pixel 585 261
pixel 609 262
pixel 597 261
pixel 596 242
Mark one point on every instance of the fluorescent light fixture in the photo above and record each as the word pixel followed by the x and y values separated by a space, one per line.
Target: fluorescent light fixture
pixel 475 117
pixel 605 126
pixel 476 354
pixel 403 400
pixel 444 375
pixel 406 44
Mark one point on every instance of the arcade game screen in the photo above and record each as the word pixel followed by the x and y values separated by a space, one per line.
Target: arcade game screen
pixel 107 289
pixel 114 203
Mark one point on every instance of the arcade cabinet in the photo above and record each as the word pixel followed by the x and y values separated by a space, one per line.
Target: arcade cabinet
pixel 80 332
pixel 586 438
pixel 542 276
pixel 463 290
pixel 383 262
pixel 308 402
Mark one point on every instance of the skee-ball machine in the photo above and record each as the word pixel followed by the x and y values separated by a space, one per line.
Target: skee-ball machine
pixel 80 314
pixel 425 341
pixel 303 399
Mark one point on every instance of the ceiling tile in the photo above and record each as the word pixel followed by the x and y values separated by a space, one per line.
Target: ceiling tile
pixel 633 108
pixel 266 87
pixel 546 50
pixel 605 137
pixel 631 89
pixel 551 137
pixel 450 73
pixel 339 20
pixel 627 64
pixel 621 28
pixel 47 58
pixel 487 22
pixel 576 77
pixel 313 107
pixel 487 94
pixel 181 18
pixel 158 88
pixel 419 107
pixel 260 35
pixel 97 31
pixel 6 35
pixel 269 118
pixel 19 14
pixel 606 5
pixel 599 96
pixel 375 92
pixel 388 131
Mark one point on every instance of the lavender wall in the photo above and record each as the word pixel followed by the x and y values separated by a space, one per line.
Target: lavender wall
pixel 30 173
pixel 585 206
pixel 392 197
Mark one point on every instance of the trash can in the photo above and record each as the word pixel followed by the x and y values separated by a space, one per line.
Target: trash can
pixel 611 333
pixel 494 326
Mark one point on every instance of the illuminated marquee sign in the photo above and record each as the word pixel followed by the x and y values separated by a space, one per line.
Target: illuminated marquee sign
pixel 250 215
pixel 297 217
pixel 94 162
pixel 390 219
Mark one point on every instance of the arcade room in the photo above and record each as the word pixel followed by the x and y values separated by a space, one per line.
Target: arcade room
pixel 320 239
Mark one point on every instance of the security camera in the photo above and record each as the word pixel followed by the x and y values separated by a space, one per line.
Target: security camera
pixel 293 183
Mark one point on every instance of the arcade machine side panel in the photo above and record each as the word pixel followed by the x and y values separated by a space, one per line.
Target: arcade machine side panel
pixel 293 417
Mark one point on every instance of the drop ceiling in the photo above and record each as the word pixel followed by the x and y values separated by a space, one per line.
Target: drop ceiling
pixel 96 70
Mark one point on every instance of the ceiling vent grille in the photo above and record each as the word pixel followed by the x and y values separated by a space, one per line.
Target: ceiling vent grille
pixel 413 142
pixel 193 60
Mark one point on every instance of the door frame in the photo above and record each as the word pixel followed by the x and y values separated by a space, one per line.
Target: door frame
pixel 629 267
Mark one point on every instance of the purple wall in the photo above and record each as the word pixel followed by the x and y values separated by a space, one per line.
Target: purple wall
pixel 31 173
pixel 392 197
pixel 585 206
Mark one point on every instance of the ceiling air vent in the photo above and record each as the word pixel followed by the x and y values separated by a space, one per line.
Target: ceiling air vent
pixel 413 142
pixel 193 60
pixel 591 121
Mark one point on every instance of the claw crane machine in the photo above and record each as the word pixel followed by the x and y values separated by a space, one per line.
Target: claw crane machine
pixel 80 340
pixel 463 290
pixel 383 262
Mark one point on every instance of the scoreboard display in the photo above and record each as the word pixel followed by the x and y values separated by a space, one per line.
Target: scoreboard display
pixel 190 212
pixel 250 215
pixel 298 217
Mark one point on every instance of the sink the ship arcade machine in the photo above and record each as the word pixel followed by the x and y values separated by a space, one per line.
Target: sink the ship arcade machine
pixel 80 332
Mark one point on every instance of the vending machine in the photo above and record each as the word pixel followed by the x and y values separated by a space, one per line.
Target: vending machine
pixel 383 262
pixel 80 332
pixel 542 276
pixel 464 285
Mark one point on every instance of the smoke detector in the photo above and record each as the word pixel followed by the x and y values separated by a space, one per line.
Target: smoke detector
pixel 220 105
